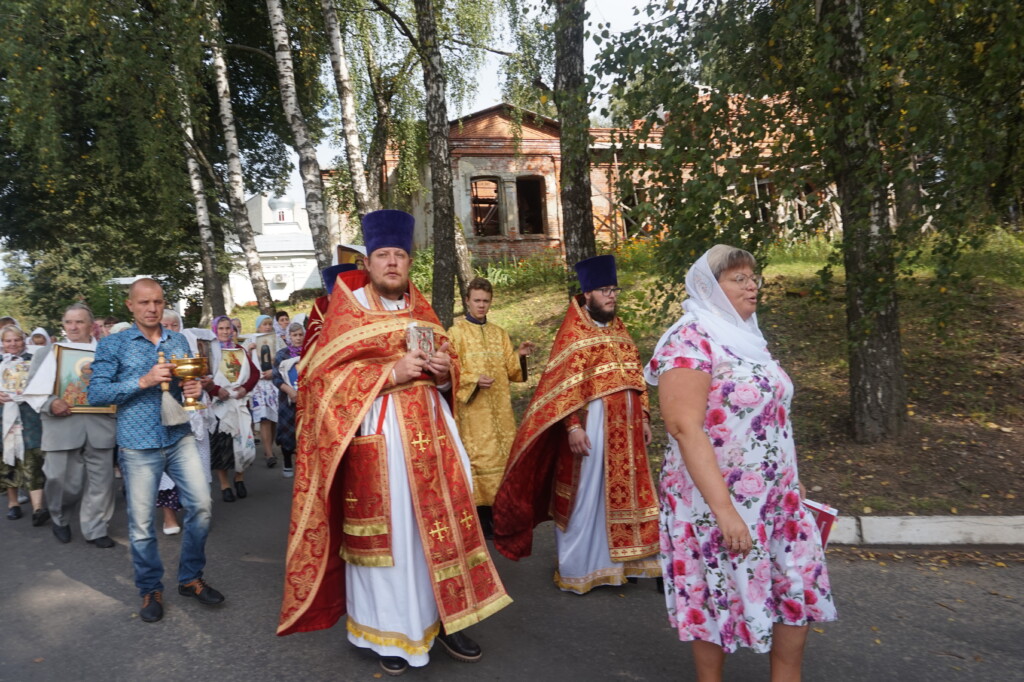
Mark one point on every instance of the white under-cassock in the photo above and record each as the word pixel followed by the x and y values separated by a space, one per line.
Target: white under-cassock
pixel 391 610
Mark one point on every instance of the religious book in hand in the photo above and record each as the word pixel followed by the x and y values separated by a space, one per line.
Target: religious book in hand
pixel 421 338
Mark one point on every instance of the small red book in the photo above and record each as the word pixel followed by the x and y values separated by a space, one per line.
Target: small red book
pixel 824 516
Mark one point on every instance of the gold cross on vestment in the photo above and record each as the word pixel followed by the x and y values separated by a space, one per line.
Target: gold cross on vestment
pixel 422 441
pixel 439 531
pixel 466 519
pixel 351 499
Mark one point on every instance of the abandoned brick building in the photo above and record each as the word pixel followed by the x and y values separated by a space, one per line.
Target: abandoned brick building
pixel 506 186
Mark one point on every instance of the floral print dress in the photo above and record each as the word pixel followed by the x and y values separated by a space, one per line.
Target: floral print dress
pixel 712 594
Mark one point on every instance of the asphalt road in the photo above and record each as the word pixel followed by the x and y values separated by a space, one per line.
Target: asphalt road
pixel 69 612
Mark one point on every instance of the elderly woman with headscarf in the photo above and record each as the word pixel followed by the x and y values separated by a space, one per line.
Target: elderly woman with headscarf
pixel 231 441
pixel 742 557
pixel 264 396
pixel 286 378
pixel 22 463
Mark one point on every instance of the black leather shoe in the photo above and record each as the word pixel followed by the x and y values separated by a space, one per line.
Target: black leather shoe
pixel 240 490
pixel 201 591
pixel 271 462
pixel 393 665
pixel 14 513
pixel 40 516
pixel 227 495
pixel 103 542
pixel 460 647
pixel 62 533
pixel 152 607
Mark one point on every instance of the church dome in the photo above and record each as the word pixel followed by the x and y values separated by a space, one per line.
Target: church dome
pixel 281 203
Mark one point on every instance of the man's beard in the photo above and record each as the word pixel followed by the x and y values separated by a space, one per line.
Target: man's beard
pixel 602 316
pixel 387 291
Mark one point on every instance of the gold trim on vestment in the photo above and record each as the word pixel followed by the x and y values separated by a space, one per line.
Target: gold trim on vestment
pixel 477 558
pixel 365 529
pixel 396 639
pixel 447 572
pixel 376 561
pixel 580 377
pixel 612 576
pixel 478 615
pixel 401 387
pixel 586 343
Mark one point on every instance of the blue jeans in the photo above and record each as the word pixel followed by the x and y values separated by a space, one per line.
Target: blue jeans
pixel 141 470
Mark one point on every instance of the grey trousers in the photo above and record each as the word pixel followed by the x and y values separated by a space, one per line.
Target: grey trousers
pixel 86 473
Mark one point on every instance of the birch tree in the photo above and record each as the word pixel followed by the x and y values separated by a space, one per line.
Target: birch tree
pixel 309 166
pixel 364 200
pixel 213 287
pixel 235 184
pixel 878 393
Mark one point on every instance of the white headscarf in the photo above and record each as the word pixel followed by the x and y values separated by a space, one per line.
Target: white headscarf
pixel 708 304
pixel 33 347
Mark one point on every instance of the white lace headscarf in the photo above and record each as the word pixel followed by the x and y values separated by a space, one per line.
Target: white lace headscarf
pixel 708 304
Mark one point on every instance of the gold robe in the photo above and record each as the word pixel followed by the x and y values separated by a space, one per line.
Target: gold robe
pixel 486 422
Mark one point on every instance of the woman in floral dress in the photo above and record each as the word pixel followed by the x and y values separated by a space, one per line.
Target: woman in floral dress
pixel 741 556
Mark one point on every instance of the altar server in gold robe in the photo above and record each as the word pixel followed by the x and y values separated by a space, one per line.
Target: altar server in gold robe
pixel 489 364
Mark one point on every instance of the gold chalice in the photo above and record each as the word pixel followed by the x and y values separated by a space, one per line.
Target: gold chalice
pixel 187 368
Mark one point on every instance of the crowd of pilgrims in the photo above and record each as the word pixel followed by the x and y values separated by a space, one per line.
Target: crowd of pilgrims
pixel 725 527
pixel 264 393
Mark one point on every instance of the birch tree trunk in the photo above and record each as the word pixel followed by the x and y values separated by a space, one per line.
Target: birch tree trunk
pixel 365 202
pixel 445 258
pixel 877 386
pixel 572 97
pixel 465 263
pixel 236 185
pixel 309 167
pixel 382 125
pixel 213 287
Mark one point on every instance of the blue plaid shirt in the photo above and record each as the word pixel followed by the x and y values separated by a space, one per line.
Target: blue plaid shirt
pixel 121 360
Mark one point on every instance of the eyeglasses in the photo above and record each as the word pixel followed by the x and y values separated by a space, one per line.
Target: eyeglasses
pixel 743 280
pixel 609 291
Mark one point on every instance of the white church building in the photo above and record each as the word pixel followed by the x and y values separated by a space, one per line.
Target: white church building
pixel 285 245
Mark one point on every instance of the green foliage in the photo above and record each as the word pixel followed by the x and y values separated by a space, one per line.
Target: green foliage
pixel 422 271
pixel 816 249
pixel 302 295
pixel 547 267
pixel 743 90
pixel 1000 257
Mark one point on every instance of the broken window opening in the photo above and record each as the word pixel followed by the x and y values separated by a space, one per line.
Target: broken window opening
pixel 486 207
pixel 530 201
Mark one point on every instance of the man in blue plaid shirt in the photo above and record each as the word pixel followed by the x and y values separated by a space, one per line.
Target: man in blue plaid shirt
pixel 127 373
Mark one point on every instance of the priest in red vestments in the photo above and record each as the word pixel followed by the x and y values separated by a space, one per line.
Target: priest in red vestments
pixel 579 455
pixel 384 527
